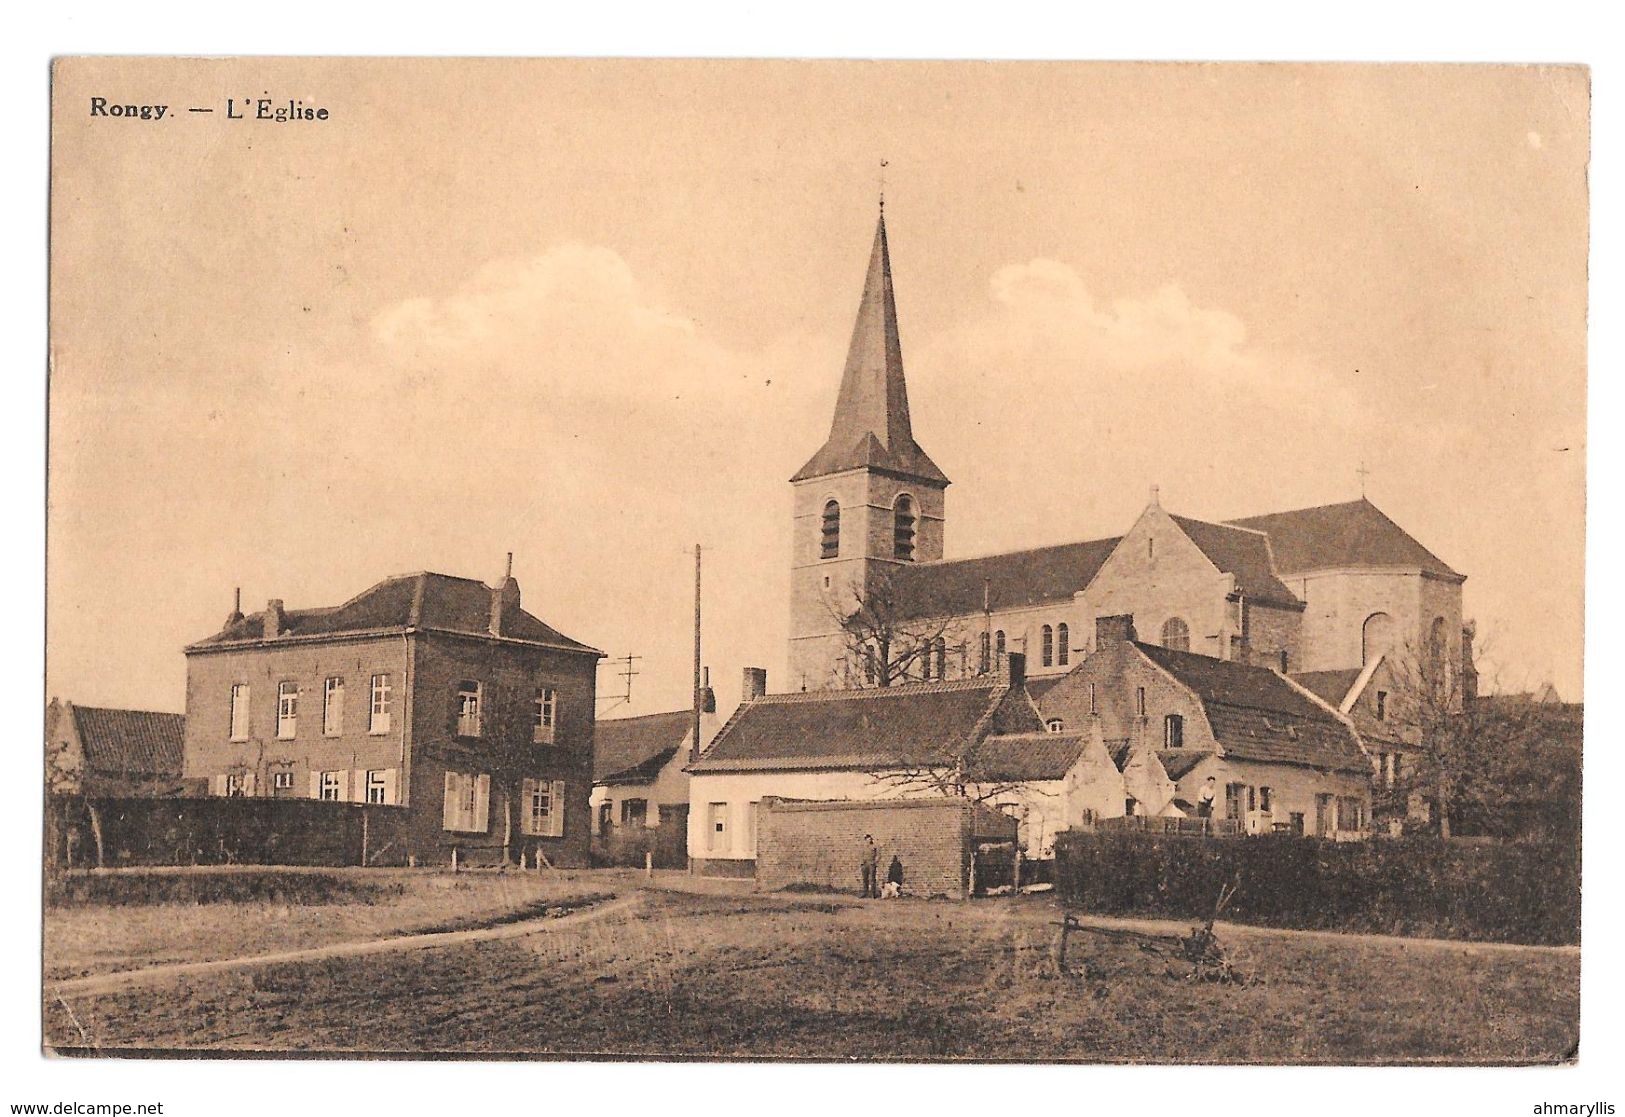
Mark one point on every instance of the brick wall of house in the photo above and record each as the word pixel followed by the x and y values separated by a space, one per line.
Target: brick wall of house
pixel 821 844
pixel 509 675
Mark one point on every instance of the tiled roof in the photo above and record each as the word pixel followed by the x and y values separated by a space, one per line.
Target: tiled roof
pixel 626 750
pixel 131 742
pixel 1335 535
pixel 1042 685
pixel 1179 762
pixel 1017 757
pixel 1332 686
pixel 954 588
pixel 425 600
pixel 1256 714
pixel 912 723
pixel 1242 553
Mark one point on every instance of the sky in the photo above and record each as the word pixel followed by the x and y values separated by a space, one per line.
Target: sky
pixel 595 313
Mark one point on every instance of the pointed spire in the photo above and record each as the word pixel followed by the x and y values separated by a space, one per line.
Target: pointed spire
pixel 871 425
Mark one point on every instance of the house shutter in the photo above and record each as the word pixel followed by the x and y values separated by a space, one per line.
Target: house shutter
pixel 482 803
pixel 315 785
pixel 358 785
pixel 344 785
pixel 448 813
pixel 248 785
pixel 219 784
pixel 527 813
pixel 389 785
pixel 555 816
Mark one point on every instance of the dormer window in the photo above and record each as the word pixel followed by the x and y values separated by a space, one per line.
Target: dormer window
pixel 830 544
pixel 903 533
pixel 1055 725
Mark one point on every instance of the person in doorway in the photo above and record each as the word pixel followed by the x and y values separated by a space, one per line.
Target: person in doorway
pixel 871 868
pixel 1204 798
pixel 894 878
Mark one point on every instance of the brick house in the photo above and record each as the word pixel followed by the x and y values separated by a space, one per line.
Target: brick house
pixel 95 751
pixel 1280 758
pixel 426 691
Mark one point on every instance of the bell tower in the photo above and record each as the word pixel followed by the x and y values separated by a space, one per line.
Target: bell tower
pixel 870 499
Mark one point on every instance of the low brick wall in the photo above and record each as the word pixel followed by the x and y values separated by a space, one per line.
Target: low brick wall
pixel 820 845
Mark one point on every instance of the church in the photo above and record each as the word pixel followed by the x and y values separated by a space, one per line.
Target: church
pixel 1321 592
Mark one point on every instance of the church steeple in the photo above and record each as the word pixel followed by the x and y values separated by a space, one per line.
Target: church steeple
pixel 871 427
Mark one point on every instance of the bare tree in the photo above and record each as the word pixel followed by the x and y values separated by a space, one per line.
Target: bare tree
pixel 883 644
pixel 1482 755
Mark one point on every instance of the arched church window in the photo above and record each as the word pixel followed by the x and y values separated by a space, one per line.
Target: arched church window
pixel 942 657
pixel 831 544
pixel 903 535
pixel 1046 641
pixel 1376 637
pixel 987 654
pixel 1063 650
pixel 1176 634
pixel 998 647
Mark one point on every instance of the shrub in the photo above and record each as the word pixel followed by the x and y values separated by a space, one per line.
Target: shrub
pixel 1523 893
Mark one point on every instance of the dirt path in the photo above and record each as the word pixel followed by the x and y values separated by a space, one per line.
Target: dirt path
pixel 111 982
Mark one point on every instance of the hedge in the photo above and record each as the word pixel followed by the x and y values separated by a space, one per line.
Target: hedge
pixel 1423 887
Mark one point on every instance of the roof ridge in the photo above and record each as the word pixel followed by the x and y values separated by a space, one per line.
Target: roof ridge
pixel 126 710
pixel 945 686
pixel 642 717
pixel 1308 508
pixel 1019 551
pixel 1177 517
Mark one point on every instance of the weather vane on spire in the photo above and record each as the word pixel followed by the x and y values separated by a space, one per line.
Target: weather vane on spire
pixel 883 165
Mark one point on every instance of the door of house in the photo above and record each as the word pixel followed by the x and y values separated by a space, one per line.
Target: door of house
pixel 1323 815
pixel 671 840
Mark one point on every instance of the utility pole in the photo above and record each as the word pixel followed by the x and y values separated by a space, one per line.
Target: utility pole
pixel 694 748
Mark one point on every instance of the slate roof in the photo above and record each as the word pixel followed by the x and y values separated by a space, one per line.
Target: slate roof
pixel 424 600
pixel 954 587
pixel 1242 553
pixel 1332 686
pixel 871 426
pixel 1334 535
pixel 131 742
pixel 1256 714
pixel 910 723
pixel 1019 757
pixel 633 750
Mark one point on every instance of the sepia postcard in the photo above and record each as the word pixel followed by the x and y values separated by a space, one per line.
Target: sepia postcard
pixel 905 562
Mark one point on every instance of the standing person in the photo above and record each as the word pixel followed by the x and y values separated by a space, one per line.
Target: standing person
pixel 1204 800
pixel 871 868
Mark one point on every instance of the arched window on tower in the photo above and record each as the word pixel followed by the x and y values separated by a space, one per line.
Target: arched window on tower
pixel 1376 637
pixel 831 544
pixel 941 649
pixel 903 536
pixel 1046 642
pixel 998 647
pixel 1439 653
pixel 1063 650
pixel 1176 634
pixel 987 654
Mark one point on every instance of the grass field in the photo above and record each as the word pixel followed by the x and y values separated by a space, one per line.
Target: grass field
pixel 811 978
pixel 336 905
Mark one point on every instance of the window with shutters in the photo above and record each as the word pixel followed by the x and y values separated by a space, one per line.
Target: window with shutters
pixel 239 711
pixel 282 781
pixel 544 716
pixel 1063 642
pixel 543 805
pixel 379 721
pixel 333 707
pixel 377 786
pixel 287 710
pixel 331 787
pixel 1046 644
pixel 903 529
pixel 233 785
pixel 468 708
pixel 830 541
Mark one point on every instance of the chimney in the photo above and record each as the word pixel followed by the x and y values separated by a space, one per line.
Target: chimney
pixel 1114 630
pixel 236 614
pixel 275 618
pixel 1015 670
pixel 708 697
pixel 504 600
pixel 755 684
